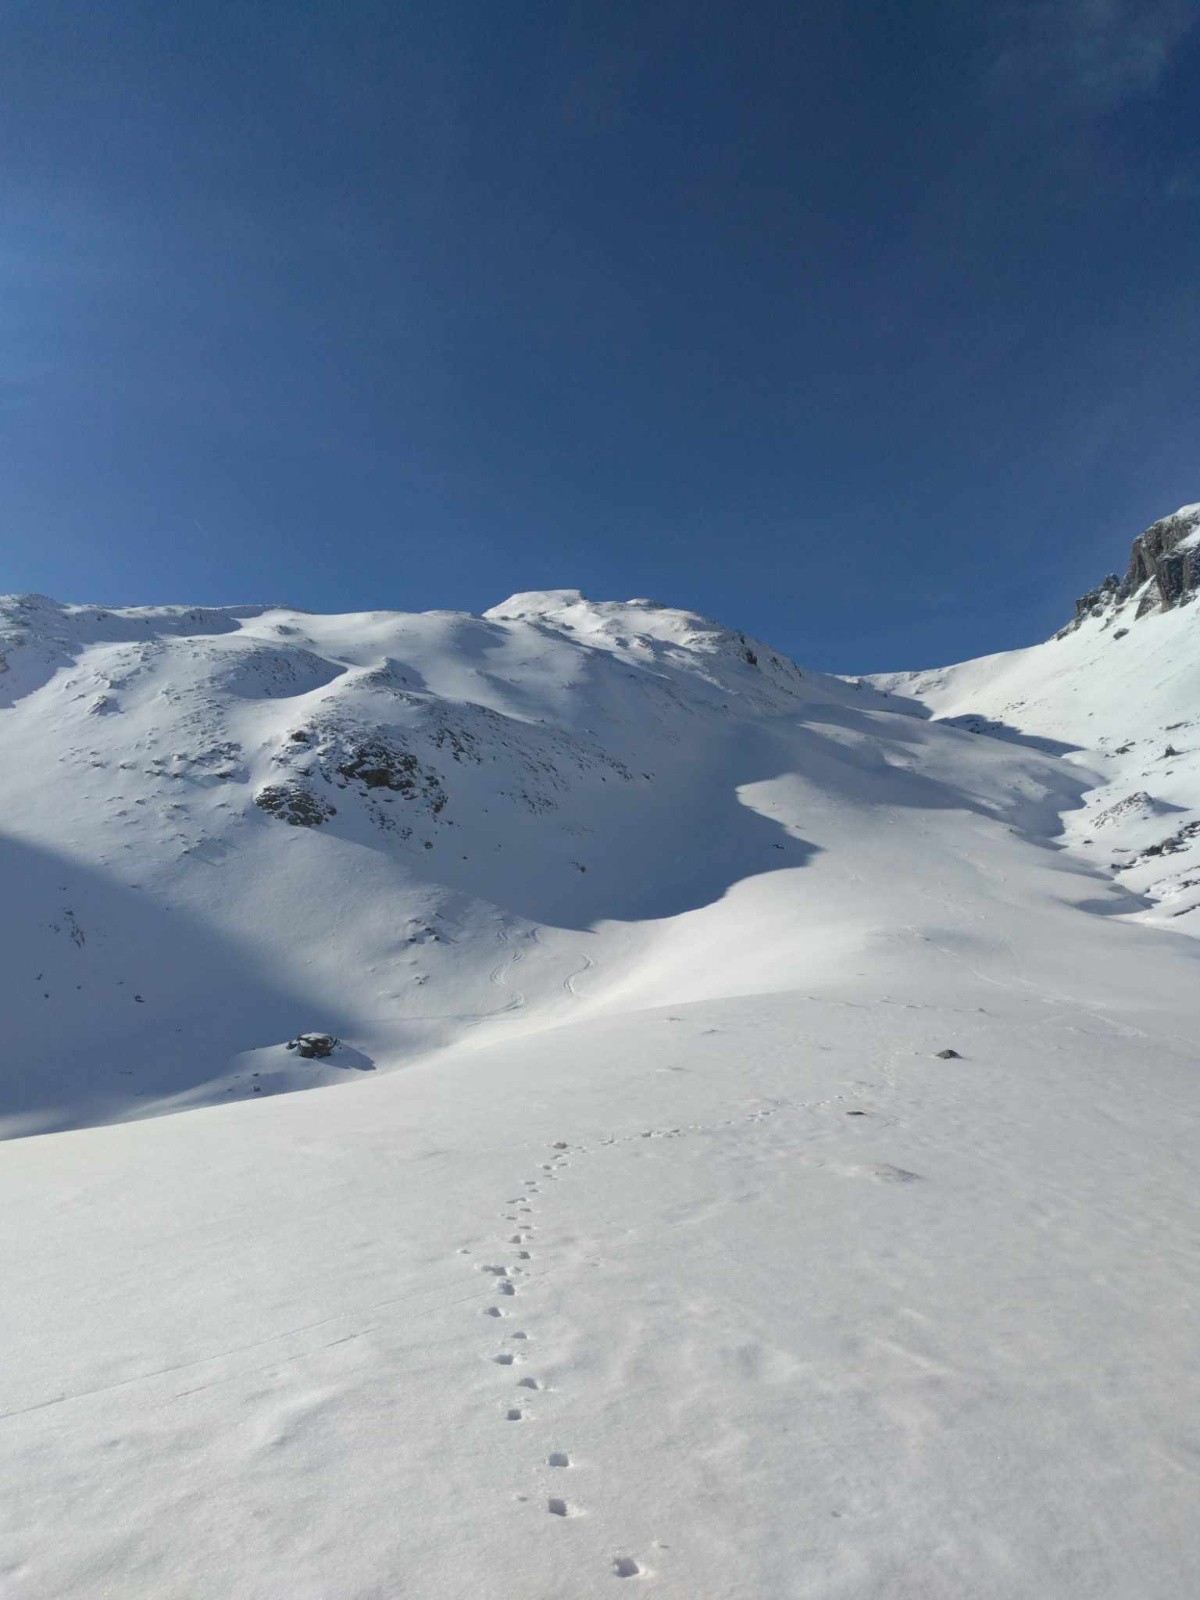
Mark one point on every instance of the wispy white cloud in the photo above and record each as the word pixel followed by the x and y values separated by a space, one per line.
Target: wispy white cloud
pixel 1092 55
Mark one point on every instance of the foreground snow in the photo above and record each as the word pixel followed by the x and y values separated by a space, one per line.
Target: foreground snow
pixel 941 1347
pixel 677 1254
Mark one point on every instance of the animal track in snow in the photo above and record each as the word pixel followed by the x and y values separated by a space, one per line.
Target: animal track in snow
pixel 519 1207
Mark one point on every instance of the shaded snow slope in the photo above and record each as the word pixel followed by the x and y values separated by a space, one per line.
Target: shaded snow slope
pixel 226 827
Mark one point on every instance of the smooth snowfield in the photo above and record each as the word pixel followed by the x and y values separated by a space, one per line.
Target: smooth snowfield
pixel 635 1233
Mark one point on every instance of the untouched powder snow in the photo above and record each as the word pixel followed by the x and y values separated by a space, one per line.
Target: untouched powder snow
pixel 762 1156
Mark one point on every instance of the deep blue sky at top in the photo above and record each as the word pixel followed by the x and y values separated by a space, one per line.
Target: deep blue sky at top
pixel 871 329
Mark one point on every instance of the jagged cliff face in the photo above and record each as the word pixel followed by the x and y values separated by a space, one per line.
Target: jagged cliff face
pixel 1164 571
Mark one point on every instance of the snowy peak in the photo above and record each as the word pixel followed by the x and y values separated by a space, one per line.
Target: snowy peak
pixel 624 624
pixel 648 635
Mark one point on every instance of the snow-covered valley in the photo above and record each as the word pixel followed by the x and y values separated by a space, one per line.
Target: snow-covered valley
pixel 756 1161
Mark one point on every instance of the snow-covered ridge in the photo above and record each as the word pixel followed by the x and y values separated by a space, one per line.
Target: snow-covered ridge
pixel 1117 692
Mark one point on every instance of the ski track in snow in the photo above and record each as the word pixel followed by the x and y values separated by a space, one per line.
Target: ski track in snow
pixel 570 981
pixel 500 976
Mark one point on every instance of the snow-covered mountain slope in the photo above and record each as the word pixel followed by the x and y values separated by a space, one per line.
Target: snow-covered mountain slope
pixel 1116 693
pixel 225 828
pixel 788 1192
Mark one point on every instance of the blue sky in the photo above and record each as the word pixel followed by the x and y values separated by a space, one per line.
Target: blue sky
pixel 870 329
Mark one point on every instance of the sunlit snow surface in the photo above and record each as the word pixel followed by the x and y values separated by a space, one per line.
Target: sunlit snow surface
pixel 647 1239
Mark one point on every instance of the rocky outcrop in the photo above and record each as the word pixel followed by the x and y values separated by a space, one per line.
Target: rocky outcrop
pixel 1167 558
pixel 1163 572
pixel 1097 600
pixel 376 764
pixel 313 1046
pixel 293 803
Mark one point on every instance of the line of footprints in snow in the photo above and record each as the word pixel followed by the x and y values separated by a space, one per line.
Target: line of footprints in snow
pixel 519 1210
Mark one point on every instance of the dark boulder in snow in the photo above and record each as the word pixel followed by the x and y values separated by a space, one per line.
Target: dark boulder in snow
pixel 313 1046
pixel 948 1055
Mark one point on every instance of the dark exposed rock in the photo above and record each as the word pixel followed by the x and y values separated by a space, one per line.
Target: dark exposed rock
pixel 1156 556
pixel 1172 845
pixel 948 1055
pixel 313 1046
pixel 293 803
pixel 378 765
pixel 1096 600
pixel 1160 572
